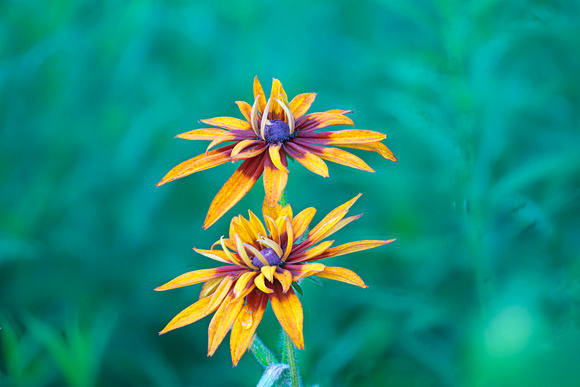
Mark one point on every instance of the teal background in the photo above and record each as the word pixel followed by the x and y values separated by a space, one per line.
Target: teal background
pixel 481 104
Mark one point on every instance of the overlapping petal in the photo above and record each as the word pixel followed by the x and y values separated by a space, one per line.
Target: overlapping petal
pixel 264 262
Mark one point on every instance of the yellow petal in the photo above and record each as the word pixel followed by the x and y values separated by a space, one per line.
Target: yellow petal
pixel 331 219
pixel 308 159
pixel 228 123
pixel 246 323
pixel 275 179
pixel 378 147
pixel 299 271
pixel 301 103
pixel 259 93
pixel 243 254
pixel 314 252
pixel 288 311
pixel 343 275
pixel 259 281
pixel 209 287
pixel 257 254
pixel 216 255
pixel 243 281
pixel 271 244
pixel 301 221
pixel 348 136
pixel 197 276
pixel 284 277
pixel 352 247
pixel 222 321
pixel 268 272
pixel 273 228
pixel 234 189
pixel 221 291
pixel 289 238
pixel 245 109
pixel 189 315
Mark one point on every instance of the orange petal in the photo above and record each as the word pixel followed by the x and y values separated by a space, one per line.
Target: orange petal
pixel 307 159
pixel 222 321
pixel 220 140
pixel 198 163
pixel 352 247
pixel 240 146
pixel 203 134
pixel 228 123
pixel 275 179
pixel 285 278
pixel 221 291
pixel 343 275
pixel 258 91
pixel 311 253
pixel 273 228
pixel 243 281
pixel 299 271
pixel 333 218
pixel 197 276
pixel 315 121
pixel 275 109
pixel 268 272
pixel 246 323
pixel 245 108
pixel 260 284
pixel 350 136
pixel 251 151
pixel 234 189
pixel 216 255
pixel 289 239
pixel 288 310
pixel 247 232
pixel 278 157
pixel 301 221
pixel 210 286
pixel 301 103
pixel 189 315
pixel 336 156
pixel 257 224
pixel 271 211
pixel 378 147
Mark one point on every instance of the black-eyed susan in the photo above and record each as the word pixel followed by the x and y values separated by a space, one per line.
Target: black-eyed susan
pixel 263 260
pixel 274 129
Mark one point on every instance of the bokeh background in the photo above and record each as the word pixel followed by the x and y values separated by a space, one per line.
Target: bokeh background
pixel 481 104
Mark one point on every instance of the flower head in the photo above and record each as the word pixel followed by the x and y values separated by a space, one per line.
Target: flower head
pixel 273 130
pixel 263 260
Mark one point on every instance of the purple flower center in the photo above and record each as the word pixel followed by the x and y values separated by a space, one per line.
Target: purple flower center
pixel 270 255
pixel 277 131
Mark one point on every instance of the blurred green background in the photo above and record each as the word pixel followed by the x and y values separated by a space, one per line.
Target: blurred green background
pixel 481 104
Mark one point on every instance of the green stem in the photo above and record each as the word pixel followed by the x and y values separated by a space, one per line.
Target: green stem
pixel 262 354
pixel 291 358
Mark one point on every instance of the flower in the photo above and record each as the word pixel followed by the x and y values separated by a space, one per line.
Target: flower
pixel 264 264
pixel 264 142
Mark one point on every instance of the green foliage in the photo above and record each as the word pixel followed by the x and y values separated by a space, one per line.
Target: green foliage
pixel 481 104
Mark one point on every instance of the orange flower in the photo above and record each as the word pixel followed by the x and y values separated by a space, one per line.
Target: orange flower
pixel 263 264
pixel 264 143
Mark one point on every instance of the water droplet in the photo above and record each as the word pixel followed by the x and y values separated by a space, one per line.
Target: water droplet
pixel 248 321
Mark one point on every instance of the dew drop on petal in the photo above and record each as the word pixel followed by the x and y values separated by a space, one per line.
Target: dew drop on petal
pixel 247 321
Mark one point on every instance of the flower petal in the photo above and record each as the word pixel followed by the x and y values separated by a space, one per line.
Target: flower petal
pixel 336 155
pixel 245 108
pixel 228 123
pixel 222 321
pixel 299 271
pixel 259 92
pixel 189 315
pixel 275 178
pixel 278 157
pixel 250 151
pixel 273 228
pixel 288 310
pixel 332 218
pixel 198 163
pixel 271 211
pixel 276 111
pixel 234 189
pixel 343 275
pixel 260 284
pixel 221 291
pixel 203 134
pixel 378 147
pixel 216 255
pixel 257 224
pixel 302 220
pixel 243 281
pixel 310 253
pixel 349 136
pixel 289 239
pixel 352 247
pixel 241 145
pixel 315 121
pixel 301 103
pixel 243 254
pixel 268 272
pixel 284 277
pixel 209 287
pixel 197 276
pixel 308 159
pixel 246 323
